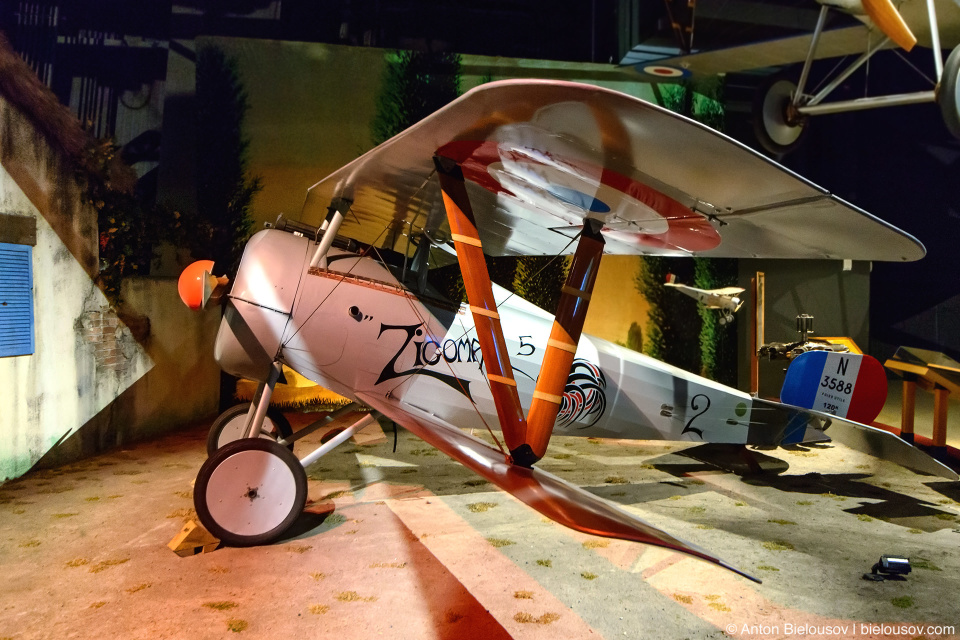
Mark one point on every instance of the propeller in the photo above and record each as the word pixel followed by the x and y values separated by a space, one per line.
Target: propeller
pixel 198 287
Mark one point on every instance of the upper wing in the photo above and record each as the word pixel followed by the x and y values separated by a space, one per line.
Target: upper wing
pixel 555 498
pixel 540 156
pixel 728 291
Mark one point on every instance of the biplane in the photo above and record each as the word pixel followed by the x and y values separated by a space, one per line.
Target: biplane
pixel 786 103
pixel 342 297
pixel 725 299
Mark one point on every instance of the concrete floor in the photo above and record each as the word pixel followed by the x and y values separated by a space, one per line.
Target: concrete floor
pixel 411 545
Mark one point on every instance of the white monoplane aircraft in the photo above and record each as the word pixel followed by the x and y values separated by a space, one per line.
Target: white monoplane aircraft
pixel 784 108
pixel 726 299
pixel 511 167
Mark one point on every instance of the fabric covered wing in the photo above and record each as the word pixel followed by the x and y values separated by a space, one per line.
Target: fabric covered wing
pixel 557 499
pixel 835 43
pixel 539 156
pixel 876 442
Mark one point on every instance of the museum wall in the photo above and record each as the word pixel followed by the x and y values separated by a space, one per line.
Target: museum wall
pixel 61 385
pixel 311 110
pixel 180 387
pixel 85 357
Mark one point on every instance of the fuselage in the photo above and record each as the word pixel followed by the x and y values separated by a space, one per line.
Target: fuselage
pixel 354 328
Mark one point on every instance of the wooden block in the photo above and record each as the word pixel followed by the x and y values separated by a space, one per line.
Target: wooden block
pixel 193 539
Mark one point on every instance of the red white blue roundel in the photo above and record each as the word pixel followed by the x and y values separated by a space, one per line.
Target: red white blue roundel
pixel 664 72
pixel 573 189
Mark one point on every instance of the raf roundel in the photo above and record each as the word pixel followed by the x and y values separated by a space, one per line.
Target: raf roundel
pixel 665 72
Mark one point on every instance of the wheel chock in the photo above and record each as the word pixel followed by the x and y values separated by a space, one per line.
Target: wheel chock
pixel 193 539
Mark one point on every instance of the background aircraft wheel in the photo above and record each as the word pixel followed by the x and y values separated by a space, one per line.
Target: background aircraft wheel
pixel 776 131
pixel 949 94
pixel 231 425
pixel 250 491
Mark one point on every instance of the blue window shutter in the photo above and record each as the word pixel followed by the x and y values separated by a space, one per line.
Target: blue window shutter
pixel 16 299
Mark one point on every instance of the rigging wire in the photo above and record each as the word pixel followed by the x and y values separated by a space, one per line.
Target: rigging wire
pixel 463 389
pixel 344 275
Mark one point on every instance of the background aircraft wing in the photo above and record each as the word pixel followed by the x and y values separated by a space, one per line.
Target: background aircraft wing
pixel 540 156
pixel 835 43
pixel 728 291
pixel 553 497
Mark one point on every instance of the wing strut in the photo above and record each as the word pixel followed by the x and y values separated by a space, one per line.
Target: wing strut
pixel 476 280
pixel 564 337
pixel 526 439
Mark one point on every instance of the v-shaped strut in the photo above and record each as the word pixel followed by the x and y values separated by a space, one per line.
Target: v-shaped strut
pixel 526 438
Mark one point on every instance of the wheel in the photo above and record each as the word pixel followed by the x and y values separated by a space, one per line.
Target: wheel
pixel 776 129
pixel 232 424
pixel 250 492
pixel 949 94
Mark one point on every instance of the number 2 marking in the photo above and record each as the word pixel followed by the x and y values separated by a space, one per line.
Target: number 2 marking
pixel 695 407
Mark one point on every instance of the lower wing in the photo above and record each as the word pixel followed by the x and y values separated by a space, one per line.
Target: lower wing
pixel 557 499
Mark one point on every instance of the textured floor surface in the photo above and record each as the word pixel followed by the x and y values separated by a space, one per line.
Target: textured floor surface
pixel 411 545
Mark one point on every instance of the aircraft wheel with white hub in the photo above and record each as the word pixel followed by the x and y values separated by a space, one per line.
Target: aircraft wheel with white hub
pixel 250 492
pixel 949 95
pixel 777 129
pixel 232 425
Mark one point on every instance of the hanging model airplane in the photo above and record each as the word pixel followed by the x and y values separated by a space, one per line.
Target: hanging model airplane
pixel 783 110
pixel 511 167
pixel 726 299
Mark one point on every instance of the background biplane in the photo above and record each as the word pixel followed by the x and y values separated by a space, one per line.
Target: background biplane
pixel 343 297
pixel 788 100
pixel 726 299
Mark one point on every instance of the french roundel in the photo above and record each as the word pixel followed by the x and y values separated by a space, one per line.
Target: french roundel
pixel 632 212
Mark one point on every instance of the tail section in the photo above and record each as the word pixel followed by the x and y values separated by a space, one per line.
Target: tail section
pixel 847 385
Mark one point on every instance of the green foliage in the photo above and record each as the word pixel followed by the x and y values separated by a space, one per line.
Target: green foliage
pixel 673 322
pixel 128 230
pixel 649 282
pixel 701 101
pixel 716 357
pixel 415 84
pixel 536 279
pixel 716 361
pixel 224 192
pixel 539 279
pixel 634 337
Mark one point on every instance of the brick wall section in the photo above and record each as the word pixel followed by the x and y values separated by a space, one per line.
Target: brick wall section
pixel 102 330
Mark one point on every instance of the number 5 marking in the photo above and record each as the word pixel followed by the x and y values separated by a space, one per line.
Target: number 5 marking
pixel 524 345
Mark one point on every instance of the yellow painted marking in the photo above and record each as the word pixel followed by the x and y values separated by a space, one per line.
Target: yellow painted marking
pixel 501 380
pixel 548 397
pixel 485 312
pixel 466 239
pixel 571 291
pixel 565 346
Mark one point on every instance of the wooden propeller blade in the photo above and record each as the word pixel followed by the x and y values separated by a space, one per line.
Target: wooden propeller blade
pixel 890 22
